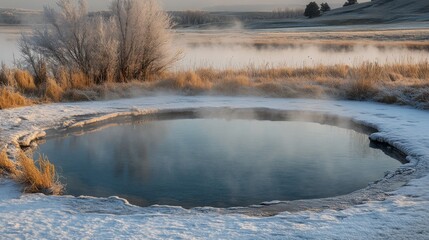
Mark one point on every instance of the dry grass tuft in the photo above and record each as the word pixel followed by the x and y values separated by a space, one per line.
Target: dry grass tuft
pixel 233 85
pixel 6 76
pixel 24 81
pixel 62 78
pixel 40 178
pixel 360 89
pixel 78 80
pixel 53 91
pixel 187 81
pixel 6 164
pixel 10 99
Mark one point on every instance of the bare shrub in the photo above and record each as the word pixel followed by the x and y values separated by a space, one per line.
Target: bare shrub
pixel 33 59
pixel 75 41
pixel 38 178
pixel 143 38
pixel 131 43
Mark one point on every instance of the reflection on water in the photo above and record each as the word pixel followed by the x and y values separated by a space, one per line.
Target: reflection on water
pixel 216 162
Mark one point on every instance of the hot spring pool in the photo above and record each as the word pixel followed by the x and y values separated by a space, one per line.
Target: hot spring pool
pixel 216 162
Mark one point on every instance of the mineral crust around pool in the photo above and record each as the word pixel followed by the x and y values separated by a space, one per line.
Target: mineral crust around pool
pixel 403 213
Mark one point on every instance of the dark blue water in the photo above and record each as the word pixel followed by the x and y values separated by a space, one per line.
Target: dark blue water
pixel 215 162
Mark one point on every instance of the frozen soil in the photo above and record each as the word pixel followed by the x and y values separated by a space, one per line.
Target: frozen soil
pixel 396 206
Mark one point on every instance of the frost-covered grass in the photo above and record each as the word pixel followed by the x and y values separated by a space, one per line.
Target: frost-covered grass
pixel 40 177
pixel 6 165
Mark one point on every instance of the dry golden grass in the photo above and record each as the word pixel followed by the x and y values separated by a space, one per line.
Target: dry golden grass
pixel 40 178
pixel 403 83
pixel 186 81
pixel 79 80
pixel 232 84
pixel 10 99
pixel 24 80
pixel 62 78
pixel 6 164
pixel 53 91
pixel 6 77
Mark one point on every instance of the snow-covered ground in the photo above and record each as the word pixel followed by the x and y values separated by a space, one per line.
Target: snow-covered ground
pixel 404 214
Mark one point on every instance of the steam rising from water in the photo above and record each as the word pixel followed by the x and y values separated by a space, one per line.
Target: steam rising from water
pixel 223 54
pixel 227 56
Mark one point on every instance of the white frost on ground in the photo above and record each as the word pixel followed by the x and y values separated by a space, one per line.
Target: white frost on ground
pixel 403 215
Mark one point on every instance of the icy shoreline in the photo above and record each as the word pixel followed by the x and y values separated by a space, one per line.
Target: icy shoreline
pixel 403 213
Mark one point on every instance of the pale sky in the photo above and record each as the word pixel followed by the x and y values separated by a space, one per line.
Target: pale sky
pixel 177 4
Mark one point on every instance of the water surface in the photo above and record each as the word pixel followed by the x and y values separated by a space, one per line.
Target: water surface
pixel 217 162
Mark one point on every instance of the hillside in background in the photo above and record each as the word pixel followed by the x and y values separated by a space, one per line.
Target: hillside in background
pixel 381 11
pixel 374 12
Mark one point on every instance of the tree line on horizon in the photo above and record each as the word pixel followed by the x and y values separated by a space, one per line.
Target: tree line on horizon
pixel 313 10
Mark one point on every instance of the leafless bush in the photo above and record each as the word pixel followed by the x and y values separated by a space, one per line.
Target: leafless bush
pixel 132 43
pixel 143 39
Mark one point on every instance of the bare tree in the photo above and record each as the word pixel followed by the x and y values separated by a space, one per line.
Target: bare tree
pixel 144 39
pixel 132 43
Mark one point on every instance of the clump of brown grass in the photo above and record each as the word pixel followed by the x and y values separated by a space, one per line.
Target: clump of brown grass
pixel 9 99
pixel 24 80
pixel 78 80
pixel 6 76
pixel 368 71
pixel 188 81
pixel 360 89
pixel 53 91
pixel 38 178
pixel 416 71
pixel 6 164
pixel 232 85
pixel 62 77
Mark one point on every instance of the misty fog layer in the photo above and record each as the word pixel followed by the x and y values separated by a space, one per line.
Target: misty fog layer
pixel 230 56
pixel 216 162
pixel 226 56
